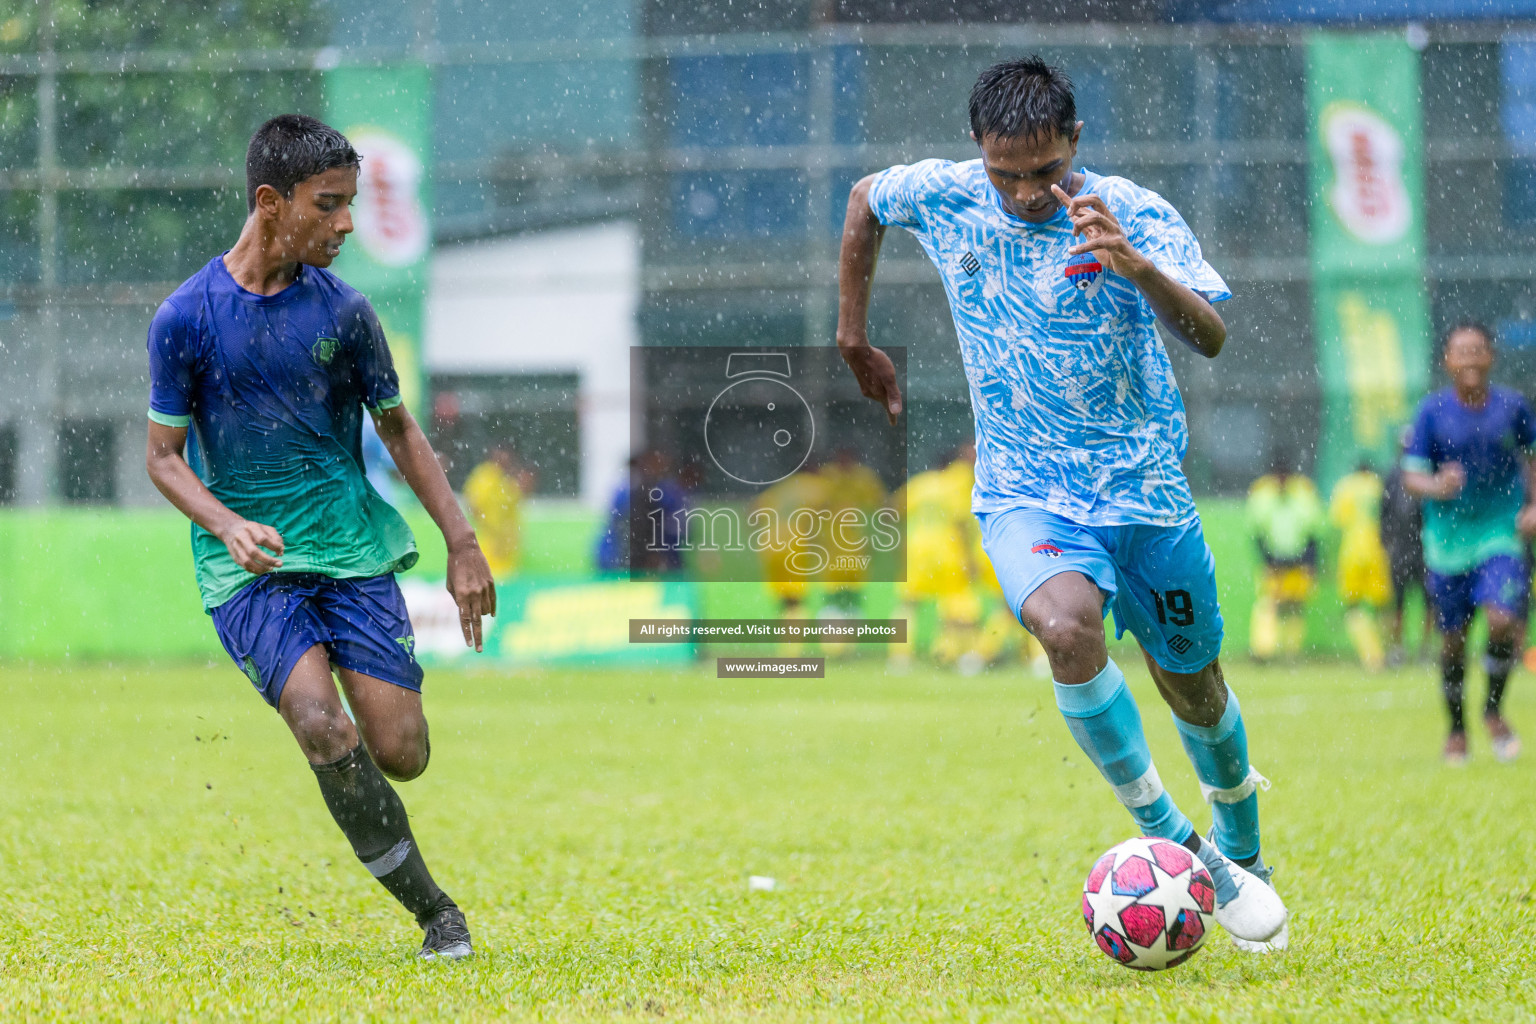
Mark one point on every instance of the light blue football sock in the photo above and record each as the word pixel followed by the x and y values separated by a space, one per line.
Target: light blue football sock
pixel 1103 718
pixel 1220 756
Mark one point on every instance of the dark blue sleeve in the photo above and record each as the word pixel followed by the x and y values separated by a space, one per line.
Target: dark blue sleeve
pixel 172 366
pixel 1525 430
pixel 372 364
pixel 1418 453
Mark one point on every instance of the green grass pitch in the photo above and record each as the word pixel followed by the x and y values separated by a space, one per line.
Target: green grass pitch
pixel 166 854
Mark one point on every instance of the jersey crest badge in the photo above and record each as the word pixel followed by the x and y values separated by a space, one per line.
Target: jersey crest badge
pixel 1046 548
pixel 1085 273
pixel 324 349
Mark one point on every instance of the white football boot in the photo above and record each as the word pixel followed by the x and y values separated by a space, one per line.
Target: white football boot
pixel 1276 942
pixel 1246 906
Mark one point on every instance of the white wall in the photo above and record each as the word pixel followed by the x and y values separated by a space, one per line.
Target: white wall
pixel 553 302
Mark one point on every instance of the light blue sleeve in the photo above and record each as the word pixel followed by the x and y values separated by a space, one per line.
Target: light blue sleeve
pixel 898 192
pixel 1159 233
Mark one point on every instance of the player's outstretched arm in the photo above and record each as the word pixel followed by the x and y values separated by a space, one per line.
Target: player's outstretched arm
pixel 862 232
pixel 1442 485
pixel 1525 522
pixel 469 577
pixel 1183 311
pixel 255 547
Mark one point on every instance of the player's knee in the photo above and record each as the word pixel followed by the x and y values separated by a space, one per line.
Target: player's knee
pixel 404 756
pixel 1502 625
pixel 1068 636
pixel 323 731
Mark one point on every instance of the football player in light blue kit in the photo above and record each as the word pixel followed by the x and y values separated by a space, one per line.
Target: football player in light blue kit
pixel 1056 277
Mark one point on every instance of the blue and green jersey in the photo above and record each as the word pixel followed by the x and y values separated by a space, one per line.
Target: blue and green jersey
pixel 272 389
pixel 1491 443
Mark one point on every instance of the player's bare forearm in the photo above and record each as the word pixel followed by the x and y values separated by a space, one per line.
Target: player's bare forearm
pixel 1442 485
pixel 1182 310
pixel 255 547
pixel 862 232
pixel 418 464
pixel 1525 520
pixel 469 577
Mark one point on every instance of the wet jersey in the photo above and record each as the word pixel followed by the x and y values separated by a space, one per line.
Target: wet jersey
pixel 1491 444
pixel 272 388
pixel 1076 407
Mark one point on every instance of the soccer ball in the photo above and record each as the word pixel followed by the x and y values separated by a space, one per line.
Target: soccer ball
pixel 1148 903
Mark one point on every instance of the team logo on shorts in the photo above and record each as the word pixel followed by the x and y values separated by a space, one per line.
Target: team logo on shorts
pixel 1046 548
pixel 1085 273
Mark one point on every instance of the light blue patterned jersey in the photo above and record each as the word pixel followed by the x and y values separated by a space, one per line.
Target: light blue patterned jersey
pixel 1076 408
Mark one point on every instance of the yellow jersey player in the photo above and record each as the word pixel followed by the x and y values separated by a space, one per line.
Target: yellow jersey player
pixel 851 487
pixel 494 493
pixel 1365 577
pixel 940 557
pixel 788 515
pixel 1285 517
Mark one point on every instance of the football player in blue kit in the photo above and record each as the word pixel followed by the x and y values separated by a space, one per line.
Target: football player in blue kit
pixel 268 361
pixel 1056 277
pixel 1470 457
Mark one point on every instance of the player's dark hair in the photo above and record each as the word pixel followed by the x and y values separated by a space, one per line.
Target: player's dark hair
pixel 1467 325
pixel 289 148
pixel 1025 98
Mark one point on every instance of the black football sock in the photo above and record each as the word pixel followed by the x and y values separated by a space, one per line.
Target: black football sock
pixel 1499 660
pixel 1453 671
pixel 373 819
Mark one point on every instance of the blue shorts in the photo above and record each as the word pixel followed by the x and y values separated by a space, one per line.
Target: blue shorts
pixel 362 623
pixel 1160 580
pixel 1502 582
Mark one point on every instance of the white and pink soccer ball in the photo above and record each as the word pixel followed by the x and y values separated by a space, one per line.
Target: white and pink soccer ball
pixel 1148 903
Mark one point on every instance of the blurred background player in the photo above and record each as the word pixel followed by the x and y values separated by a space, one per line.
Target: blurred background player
pixel 1470 458
pixel 854 491
pixel 1285 518
pixel 1354 508
pixel 1057 279
pixel 794 558
pixel 940 560
pixel 641 533
pixel 1402 534
pixel 494 491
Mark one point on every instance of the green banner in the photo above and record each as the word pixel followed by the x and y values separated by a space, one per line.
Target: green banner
pixel 1370 308
pixel 386 112
pixel 552 621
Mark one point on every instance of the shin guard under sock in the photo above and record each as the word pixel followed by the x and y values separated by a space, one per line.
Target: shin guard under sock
pixel 1230 784
pixel 1498 660
pixel 373 819
pixel 1453 671
pixel 1107 726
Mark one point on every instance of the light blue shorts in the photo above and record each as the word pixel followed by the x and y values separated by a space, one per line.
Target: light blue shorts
pixel 1159 580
